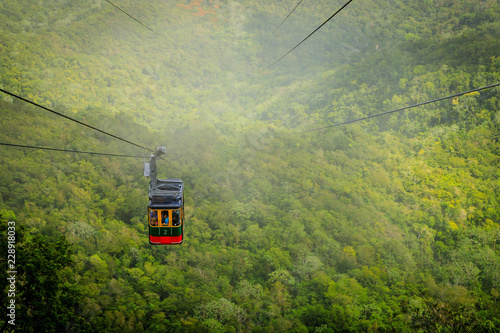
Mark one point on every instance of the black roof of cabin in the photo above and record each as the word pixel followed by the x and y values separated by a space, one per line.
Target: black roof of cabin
pixel 167 195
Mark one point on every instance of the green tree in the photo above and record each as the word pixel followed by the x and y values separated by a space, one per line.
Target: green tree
pixel 46 298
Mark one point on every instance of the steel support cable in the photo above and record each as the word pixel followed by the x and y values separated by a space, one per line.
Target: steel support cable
pixel 133 18
pixel 338 11
pixel 66 150
pixel 173 166
pixel 272 33
pixel 403 108
pixel 74 120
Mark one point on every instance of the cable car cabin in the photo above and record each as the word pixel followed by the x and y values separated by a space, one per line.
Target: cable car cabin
pixel 166 213
pixel 166 205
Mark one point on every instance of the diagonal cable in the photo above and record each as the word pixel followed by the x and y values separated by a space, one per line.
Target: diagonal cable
pixel 133 18
pixel 66 150
pixel 272 33
pixel 338 11
pixel 72 119
pixel 403 108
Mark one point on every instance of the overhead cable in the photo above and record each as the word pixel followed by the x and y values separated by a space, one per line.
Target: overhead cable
pixel 74 120
pixel 133 18
pixel 338 11
pixel 404 108
pixel 67 150
pixel 272 33
pixel 173 166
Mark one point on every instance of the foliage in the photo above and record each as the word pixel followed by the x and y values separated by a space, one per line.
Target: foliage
pixel 386 225
pixel 46 298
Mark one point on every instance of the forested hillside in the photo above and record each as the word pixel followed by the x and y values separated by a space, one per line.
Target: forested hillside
pixel 387 225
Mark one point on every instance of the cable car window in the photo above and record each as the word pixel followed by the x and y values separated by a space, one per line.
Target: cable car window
pixel 165 218
pixel 176 218
pixel 153 218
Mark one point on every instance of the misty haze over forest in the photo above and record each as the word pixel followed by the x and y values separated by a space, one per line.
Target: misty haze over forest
pixel 390 224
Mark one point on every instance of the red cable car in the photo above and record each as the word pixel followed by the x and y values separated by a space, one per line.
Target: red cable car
pixel 166 206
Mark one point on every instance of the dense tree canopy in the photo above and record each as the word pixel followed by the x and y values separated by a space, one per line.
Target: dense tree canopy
pixel 388 225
